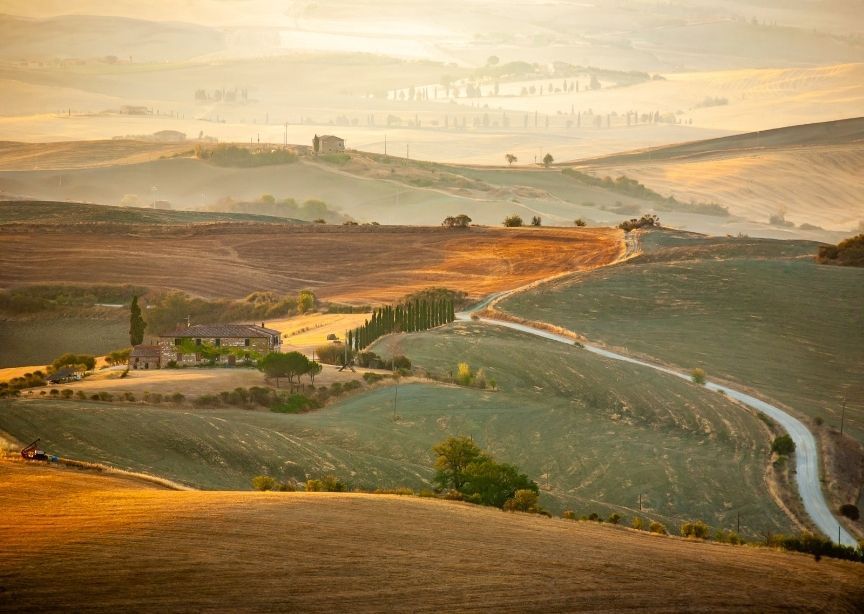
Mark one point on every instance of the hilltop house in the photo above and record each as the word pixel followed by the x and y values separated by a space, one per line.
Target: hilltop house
pixel 246 338
pixel 327 144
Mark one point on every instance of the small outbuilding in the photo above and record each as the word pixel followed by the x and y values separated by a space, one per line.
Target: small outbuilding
pixel 328 144
pixel 145 357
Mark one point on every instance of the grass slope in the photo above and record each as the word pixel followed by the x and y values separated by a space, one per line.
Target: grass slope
pixel 109 543
pixel 593 433
pixel 756 312
pixel 38 341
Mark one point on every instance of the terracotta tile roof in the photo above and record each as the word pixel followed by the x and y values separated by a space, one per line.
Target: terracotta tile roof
pixel 224 331
pixel 145 351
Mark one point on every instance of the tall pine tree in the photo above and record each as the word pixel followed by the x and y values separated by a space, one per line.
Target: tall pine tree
pixel 136 323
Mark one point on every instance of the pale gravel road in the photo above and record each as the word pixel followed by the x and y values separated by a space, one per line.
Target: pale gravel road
pixel 806 456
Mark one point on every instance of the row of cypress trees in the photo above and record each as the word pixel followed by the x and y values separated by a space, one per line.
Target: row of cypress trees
pixel 417 315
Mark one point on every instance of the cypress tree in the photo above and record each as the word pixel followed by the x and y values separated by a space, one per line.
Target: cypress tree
pixel 136 323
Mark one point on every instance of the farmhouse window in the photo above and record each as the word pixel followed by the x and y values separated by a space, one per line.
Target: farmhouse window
pixel 197 342
pixel 218 343
pixel 247 342
pixel 177 341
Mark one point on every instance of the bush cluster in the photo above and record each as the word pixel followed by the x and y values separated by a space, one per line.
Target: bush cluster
pixel 646 221
pixel 14 386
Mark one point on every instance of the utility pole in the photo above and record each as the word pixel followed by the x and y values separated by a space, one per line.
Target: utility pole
pixel 640 501
pixel 843 416
pixel 385 144
pixel 738 524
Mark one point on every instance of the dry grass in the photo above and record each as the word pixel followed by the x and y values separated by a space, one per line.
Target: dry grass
pixel 193 381
pixel 83 154
pixel 358 265
pixel 77 540
pixel 306 332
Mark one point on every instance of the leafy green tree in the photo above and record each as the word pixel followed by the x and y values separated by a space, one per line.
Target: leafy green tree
pixel 306 301
pixel 453 455
pixel 525 500
pixel 78 362
pixel 510 159
pixel 136 323
pixel 492 483
pixel 512 221
pixel 314 369
pixel 275 365
pixel 547 160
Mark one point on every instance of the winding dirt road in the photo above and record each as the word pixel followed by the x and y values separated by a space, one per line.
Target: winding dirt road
pixel 806 457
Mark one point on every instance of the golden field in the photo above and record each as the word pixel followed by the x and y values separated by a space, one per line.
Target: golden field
pixel 77 540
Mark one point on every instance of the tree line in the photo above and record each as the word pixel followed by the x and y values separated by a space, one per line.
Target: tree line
pixel 408 317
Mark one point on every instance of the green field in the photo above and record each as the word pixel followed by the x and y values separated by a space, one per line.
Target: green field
pixel 758 313
pixel 39 341
pixel 594 434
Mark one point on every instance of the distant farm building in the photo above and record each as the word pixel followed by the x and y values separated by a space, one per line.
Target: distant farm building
pixel 62 375
pixel 246 339
pixel 145 357
pixel 327 144
pixel 128 109
pixel 169 136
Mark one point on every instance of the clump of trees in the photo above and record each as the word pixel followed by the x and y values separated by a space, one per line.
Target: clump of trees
pixel 512 221
pixel 289 365
pixel 234 156
pixel 118 357
pixel 632 187
pixel 536 221
pixel 849 252
pixel 169 310
pixel 14 386
pixel 459 221
pixel 76 362
pixel 696 529
pixel 649 220
pixel 462 468
pixel 412 316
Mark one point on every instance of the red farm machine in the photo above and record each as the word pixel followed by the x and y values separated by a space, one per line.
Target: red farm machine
pixel 32 452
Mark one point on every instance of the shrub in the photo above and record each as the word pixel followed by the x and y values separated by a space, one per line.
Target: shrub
pixel 106 396
pixel 569 515
pixel 818 421
pixel 128 396
pixel 66 393
pixel 523 500
pixel 295 404
pixel 54 392
pixel 333 354
pixel 371 378
pixel 94 397
pixel 850 511
pixel 727 537
pixel 205 400
pixel 536 221
pixel 614 519
pixel 698 376
pixel 512 221
pixel 638 523
pixel 401 362
pixel 153 397
pixel 263 482
pixel 783 445
pixel 658 527
pixel 177 398
pixel 79 394
pixel 580 222
pixel 332 337
pixel 696 529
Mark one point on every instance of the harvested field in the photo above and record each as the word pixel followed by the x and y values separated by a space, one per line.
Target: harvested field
pixel 306 332
pixel 352 264
pixel 110 543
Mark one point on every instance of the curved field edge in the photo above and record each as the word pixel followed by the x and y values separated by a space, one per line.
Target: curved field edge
pixel 364 553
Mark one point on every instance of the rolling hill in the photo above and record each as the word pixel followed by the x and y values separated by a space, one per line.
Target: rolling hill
pixel 808 174
pixel 113 543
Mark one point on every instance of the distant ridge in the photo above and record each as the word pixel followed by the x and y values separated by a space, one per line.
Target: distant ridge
pixel 804 135
pixel 53 212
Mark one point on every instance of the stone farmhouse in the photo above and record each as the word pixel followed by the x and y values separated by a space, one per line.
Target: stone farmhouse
pixel 171 347
pixel 329 144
